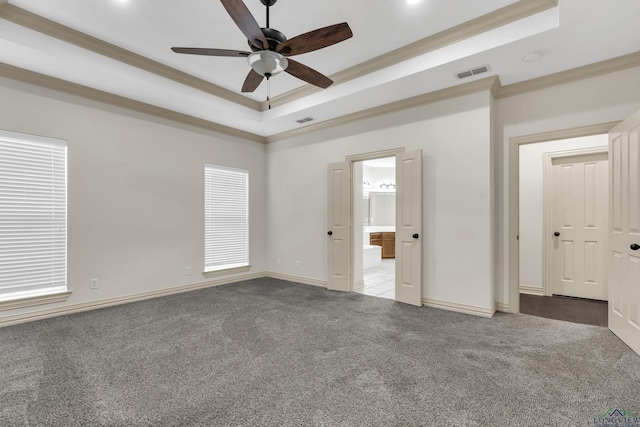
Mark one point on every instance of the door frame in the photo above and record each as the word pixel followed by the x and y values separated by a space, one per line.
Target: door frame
pixel 512 247
pixel 547 204
pixel 351 159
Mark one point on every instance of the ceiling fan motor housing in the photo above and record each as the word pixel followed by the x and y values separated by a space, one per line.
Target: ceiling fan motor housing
pixel 274 38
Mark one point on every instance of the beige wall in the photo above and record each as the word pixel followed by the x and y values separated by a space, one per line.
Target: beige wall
pixel 135 192
pixel 456 194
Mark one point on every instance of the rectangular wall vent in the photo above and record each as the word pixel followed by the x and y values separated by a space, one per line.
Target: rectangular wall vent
pixel 472 72
pixel 305 120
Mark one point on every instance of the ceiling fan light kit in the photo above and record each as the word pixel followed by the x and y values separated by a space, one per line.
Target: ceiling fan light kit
pixel 270 48
pixel 267 63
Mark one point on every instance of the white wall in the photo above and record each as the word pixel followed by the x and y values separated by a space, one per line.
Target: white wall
pixel 456 194
pixel 135 192
pixel 602 99
pixel 531 204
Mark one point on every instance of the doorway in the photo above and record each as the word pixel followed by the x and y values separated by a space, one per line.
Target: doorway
pixel 377 195
pixel 345 246
pixel 563 222
pixel 623 261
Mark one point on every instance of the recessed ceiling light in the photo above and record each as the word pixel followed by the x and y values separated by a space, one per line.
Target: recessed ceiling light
pixel 532 57
pixel 413 1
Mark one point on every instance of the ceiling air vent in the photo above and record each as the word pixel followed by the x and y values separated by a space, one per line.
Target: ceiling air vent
pixel 305 120
pixel 473 72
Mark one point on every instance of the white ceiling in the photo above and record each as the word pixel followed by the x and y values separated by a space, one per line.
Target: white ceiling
pixel 576 33
pixel 387 162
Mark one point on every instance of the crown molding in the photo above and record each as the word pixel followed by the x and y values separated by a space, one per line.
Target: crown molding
pixel 417 101
pixel 490 83
pixel 53 29
pixel 592 70
pixel 495 19
pixel 41 80
pixel 474 27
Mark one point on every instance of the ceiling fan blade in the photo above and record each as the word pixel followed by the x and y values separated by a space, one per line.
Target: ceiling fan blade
pixel 210 52
pixel 314 40
pixel 252 81
pixel 246 22
pixel 307 74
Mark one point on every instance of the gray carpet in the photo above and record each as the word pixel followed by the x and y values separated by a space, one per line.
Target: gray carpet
pixel 273 353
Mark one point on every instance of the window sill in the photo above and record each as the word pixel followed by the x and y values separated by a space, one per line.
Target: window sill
pixel 37 300
pixel 226 271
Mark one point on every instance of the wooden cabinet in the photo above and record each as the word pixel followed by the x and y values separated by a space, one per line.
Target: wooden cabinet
pixel 388 245
pixel 387 240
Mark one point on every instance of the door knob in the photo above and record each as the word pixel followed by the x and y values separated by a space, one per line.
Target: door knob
pixel 557 233
pixel 330 233
pixel 416 235
pixel 635 247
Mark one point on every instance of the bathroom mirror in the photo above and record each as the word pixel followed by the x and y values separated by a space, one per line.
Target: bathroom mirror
pixel 379 209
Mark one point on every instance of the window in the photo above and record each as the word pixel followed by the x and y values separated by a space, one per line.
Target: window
pixel 226 218
pixel 33 216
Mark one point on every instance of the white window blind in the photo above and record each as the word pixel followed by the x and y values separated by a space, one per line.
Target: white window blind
pixel 33 215
pixel 226 223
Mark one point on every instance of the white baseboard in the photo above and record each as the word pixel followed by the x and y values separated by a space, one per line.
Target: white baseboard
pixel 531 290
pixel 93 305
pixel 358 285
pixel 459 308
pixel 502 307
pixel 297 279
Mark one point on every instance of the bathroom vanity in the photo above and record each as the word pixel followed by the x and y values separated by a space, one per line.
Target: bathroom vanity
pixel 386 239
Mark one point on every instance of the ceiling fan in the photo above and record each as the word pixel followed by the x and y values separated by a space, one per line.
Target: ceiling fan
pixel 270 49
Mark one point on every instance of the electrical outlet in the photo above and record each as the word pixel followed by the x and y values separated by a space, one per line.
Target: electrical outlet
pixel 94 284
pixel 297 265
pixel 188 271
pixel 278 261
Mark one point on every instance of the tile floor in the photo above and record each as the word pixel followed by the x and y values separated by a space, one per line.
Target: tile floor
pixel 380 281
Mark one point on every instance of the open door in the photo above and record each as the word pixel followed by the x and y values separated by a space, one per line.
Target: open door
pixel 624 231
pixel 339 218
pixel 409 228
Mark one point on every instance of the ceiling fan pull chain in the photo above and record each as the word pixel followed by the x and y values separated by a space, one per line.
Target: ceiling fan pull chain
pixel 269 93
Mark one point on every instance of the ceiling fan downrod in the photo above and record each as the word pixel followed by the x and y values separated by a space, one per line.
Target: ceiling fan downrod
pixel 268 3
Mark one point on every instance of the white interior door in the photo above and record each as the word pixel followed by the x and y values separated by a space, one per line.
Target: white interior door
pixel 409 228
pixel 339 217
pixel 579 225
pixel 624 231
